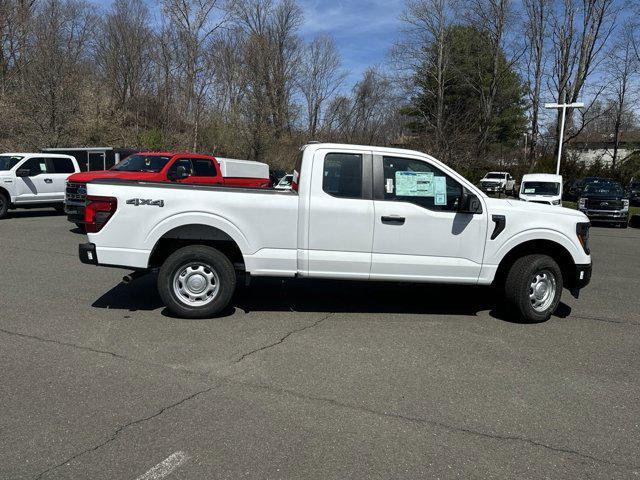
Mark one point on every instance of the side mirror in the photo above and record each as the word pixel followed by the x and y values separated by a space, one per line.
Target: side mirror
pixel 469 203
pixel 22 172
pixel 181 174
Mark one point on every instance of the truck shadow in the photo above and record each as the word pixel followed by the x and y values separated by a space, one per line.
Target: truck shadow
pixel 32 213
pixel 303 295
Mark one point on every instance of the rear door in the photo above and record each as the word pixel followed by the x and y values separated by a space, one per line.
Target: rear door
pixel 340 214
pixel 38 186
pixel 419 233
pixel 59 169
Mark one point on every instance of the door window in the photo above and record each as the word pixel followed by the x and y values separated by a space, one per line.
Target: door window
pixel 342 175
pixel 36 166
pixel 182 162
pixel 61 165
pixel 419 182
pixel 203 167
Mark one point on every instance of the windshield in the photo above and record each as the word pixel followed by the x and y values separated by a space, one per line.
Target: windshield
pixel 604 189
pixel 7 162
pixel 541 188
pixel 142 163
pixel 494 175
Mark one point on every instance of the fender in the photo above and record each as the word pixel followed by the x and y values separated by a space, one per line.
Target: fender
pixel 538 234
pixel 198 218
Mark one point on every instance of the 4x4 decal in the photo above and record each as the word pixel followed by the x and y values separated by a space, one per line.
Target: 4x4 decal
pixel 145 201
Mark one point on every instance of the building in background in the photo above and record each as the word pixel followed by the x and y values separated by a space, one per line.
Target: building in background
pixel 590 148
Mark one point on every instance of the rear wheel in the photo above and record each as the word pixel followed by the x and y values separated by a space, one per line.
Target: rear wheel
pixel 534 287
pixel 4 205
pixel 196 282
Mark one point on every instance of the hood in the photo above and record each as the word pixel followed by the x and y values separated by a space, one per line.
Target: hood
pixel 492 180
pixel 84 177
pixel 496 204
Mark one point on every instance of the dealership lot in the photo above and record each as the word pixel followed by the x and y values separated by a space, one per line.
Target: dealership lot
pixel 310 379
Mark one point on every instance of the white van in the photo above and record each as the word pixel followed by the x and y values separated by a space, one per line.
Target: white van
pixel 541 188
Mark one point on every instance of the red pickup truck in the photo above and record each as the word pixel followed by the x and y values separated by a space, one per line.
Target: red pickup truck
pixel 183 167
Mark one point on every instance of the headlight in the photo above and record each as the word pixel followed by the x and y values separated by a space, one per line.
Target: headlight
pixel 556 202
pixel 582 203
pixel 625 204
pixel 582 231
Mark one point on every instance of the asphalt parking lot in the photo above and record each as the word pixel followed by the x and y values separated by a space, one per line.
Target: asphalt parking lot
pixel 310 379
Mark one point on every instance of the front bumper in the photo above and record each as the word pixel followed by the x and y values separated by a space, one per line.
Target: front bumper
pixel 612 216
pixel 582 276
pixel 87 253
pixel 491 188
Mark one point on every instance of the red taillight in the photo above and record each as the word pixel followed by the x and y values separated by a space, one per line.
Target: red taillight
pixel 98 212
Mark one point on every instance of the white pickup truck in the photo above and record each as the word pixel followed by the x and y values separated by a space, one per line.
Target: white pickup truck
pixel 29 180
pixel 499 182
pixel 354 212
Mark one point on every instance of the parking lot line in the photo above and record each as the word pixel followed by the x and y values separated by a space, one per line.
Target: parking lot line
pixel 165 467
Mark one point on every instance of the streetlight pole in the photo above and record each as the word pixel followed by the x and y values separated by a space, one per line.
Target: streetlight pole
pixel 564 107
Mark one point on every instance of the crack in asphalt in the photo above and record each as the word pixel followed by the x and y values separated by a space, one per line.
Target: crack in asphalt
pixel 282 339
pixel 99 351
pixel 445 426
pixel 121 428
pixel 605 320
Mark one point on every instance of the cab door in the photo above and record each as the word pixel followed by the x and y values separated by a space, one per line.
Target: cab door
pixel 39 186
pixel 341 215
pixel 419 233
pixel 59 169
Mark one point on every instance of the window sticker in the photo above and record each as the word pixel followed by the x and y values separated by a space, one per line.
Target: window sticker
pixel 440 190
pixel 414 184
pixel 529 190
pixel 43 166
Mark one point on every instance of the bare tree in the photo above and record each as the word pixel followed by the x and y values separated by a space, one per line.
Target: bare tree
pixel 194 23
pixel 581 31
pixel 320 78
pixel 536 28
pixel 424 49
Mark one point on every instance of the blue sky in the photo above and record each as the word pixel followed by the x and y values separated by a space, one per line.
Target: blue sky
pixel 364 30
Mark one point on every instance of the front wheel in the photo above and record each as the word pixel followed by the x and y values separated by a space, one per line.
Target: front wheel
pixel 196 282
pixel 534 287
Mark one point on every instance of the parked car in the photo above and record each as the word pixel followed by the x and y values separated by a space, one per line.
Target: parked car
pixel 498 182
pixel 633 192
pixel 181 167
pixel 605 202
pixel 354 212
pixel 285 182
pixel 575 191
pixel 542 188
pixel 34 180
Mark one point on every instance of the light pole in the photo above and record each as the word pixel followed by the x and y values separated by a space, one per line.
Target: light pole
pixel 564 107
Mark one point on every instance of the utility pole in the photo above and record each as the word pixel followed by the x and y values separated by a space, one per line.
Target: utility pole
pixel 564 107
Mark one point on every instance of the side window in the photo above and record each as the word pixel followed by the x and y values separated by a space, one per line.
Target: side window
pixel 181 162
pixel 342 175
pixel 419 182
pixel 203 167
pixel 36 166
pixel 60 165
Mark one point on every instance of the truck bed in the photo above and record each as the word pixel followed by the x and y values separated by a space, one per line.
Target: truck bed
pixel 263 222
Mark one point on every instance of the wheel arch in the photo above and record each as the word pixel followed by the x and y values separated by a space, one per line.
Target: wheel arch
pixel 195 234
pixel 553 249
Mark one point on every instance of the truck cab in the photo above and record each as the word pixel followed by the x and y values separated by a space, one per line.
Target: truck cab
pixel 33 180
pixel 498 182
pixel 541 188
pixel 184 167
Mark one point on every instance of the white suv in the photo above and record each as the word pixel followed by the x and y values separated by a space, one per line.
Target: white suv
pixel 29 180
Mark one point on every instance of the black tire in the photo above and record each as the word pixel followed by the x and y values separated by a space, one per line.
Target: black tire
pixel 518 286
pixel 198 255
pixel 4 205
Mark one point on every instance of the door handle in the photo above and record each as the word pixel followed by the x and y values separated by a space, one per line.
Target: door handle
pixel 48 180
pixel 393 220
